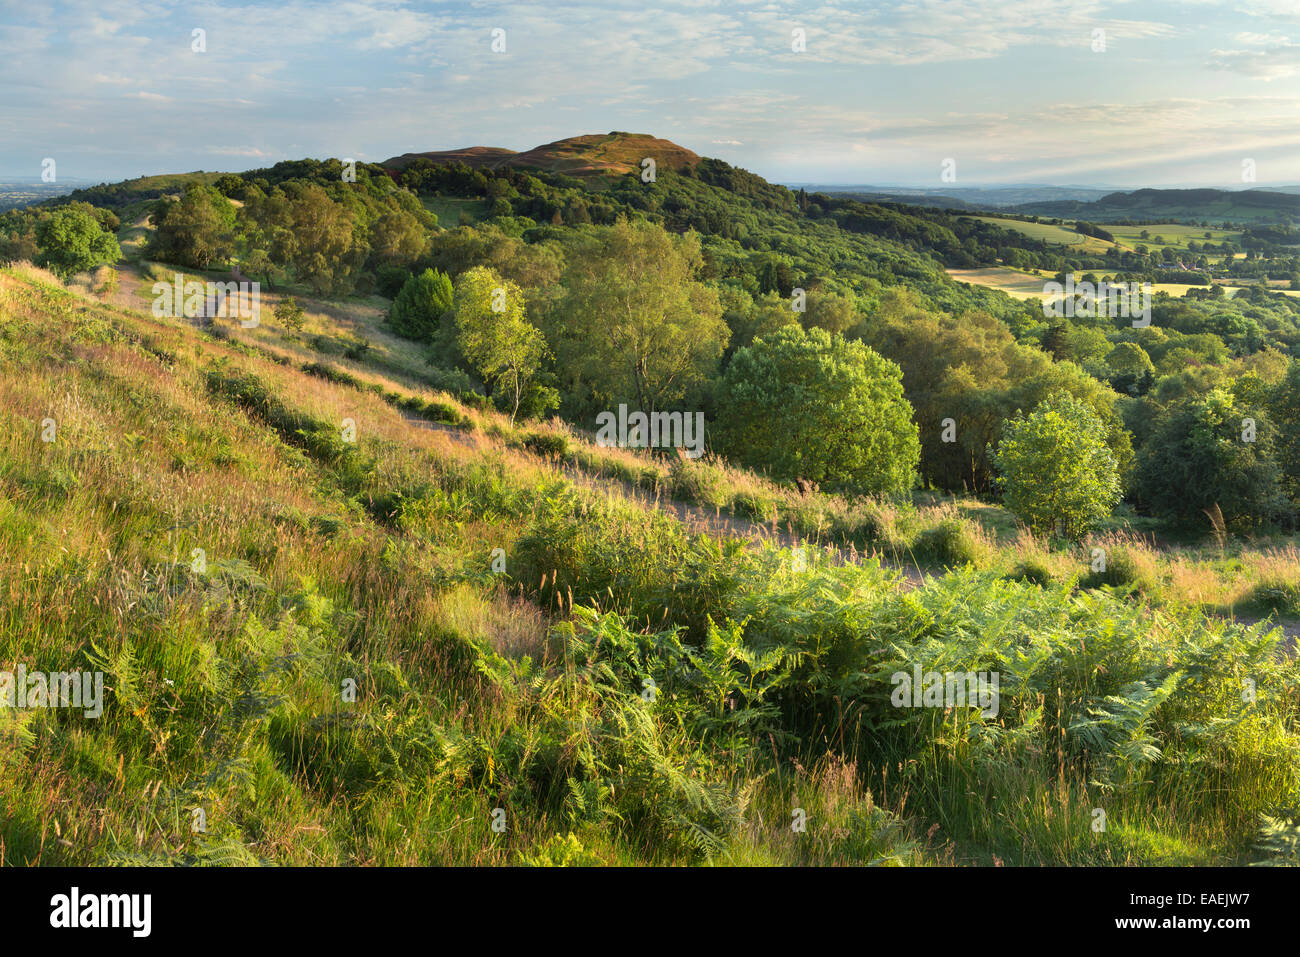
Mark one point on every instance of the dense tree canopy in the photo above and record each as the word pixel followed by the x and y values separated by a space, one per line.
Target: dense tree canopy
pixel 634 325
pixel 1206 452
pixel 72 241
pixel 314 238
pixel 197 230
pixel 806 404
pixel 965 376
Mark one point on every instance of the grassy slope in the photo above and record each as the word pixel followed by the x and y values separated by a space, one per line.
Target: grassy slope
pixel 309 580
pixel 1174 235
pixel 327 561
pixel 1061 235
pixel 1024 285
pixel 1245 580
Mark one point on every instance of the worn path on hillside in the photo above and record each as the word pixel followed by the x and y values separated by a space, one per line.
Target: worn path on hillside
pixel 715 523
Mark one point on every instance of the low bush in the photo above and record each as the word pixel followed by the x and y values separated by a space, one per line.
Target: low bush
pixel 951 543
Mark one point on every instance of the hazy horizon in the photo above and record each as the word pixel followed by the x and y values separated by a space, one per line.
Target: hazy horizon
pixel 84 180
pixel 14 178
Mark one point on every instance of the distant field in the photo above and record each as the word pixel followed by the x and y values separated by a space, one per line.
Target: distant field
pixel 1024 285
pixel 1175 235
pixel 1020 285
pixel 1061 235
pixel 1172 235
pixel 1170 206
pixel 18 195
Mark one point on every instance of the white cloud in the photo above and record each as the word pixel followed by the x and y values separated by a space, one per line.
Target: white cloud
pixel 252 151
pixel 390 76
pixel 1276 58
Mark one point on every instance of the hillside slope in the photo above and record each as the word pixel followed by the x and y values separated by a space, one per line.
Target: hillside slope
pixel 1157 205
pixel 311 653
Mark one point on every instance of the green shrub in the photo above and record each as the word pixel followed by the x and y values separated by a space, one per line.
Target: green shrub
pixel 389 280
pixel 1127 570
pixel 475 400
pixel 874 523
pixel 950 543
pixel 1277 594
pixel 455 382
pixel 694 480
pixel 755 506
pixel 548 444
pixel 1033 569
pixel 328 345
pixel 437 411
pixel 323 370
pixel 417 310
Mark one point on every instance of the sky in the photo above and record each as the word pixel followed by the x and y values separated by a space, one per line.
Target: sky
pixel 988 92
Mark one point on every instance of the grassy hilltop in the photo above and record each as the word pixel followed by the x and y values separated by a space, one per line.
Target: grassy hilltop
pixel 591 155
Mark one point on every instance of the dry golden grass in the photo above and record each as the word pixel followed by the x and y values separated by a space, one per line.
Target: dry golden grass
pixel 513 626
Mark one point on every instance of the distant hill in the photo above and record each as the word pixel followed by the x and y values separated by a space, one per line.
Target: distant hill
pixel 595 154
pixel 1280 189
pixel 477 156
pixel 1173 205
pixel 1265 204
pixel 964 197
pixel 865 195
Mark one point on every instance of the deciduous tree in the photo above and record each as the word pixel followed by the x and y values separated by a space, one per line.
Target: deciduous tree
pixel 494 335
pixel 806 404
pixel 635 324
pixel 71 241
pixel 1058 475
